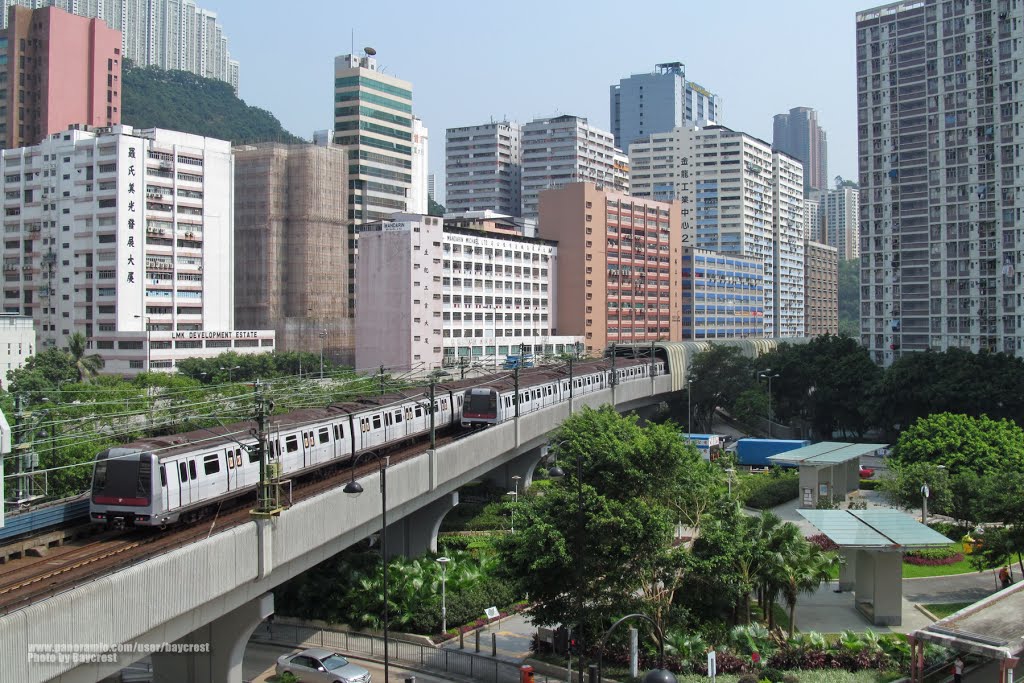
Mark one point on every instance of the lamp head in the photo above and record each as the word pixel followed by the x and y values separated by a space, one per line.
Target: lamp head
pixel 443 561
pixel 353 488
pixel 556 473
pixel 659 676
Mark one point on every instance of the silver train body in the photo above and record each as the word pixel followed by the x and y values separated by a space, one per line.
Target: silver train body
pixel 159 481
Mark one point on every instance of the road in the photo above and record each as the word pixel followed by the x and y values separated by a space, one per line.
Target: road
pixel 957 588
pixel 258 666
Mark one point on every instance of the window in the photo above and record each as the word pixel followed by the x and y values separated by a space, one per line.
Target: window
pixel 291 444
pixel 376 421
pixel 324 435
pixel 211 464
pixel 192 469
pixel 183 471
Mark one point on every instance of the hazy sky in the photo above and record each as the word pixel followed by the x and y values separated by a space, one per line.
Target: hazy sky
pixel 473 61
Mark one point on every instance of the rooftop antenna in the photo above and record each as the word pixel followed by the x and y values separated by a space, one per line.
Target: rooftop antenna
pixel 353 48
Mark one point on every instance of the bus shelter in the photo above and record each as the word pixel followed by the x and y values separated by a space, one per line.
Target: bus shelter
pixel 991 627
pixel 829 470
pixel 872 543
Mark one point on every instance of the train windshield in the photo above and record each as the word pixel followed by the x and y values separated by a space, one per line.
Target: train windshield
pixel 122 478
pixel 482 403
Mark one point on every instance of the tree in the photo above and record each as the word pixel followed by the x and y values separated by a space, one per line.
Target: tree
pixel 87 367
pixel 722 374
pixel 624 526
pixel 961 442
pixel 802 572
pixel 849 297
pixel 434 209
pixel 903 485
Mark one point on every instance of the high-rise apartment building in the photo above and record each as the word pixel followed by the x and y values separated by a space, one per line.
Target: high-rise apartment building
pixel 815 217
pixel 483 168
pixel 618 275
pixel 657 102
pixel 127 237
pixel 723 295
pixel 373 119
pixel 788 238
pixel 446 296
pixel 738 197
pixel 799 135
pixel 940 134
pixel 842 220
pixel 170 34
pixel 58 70
pixel 567 149
pixel 419 192
pixel 821 287
pixel 291 260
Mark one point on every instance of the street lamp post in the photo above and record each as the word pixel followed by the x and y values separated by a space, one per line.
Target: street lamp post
pixel 659 675
pixel 767 373
pixel 354 488
pixel 558 473
pixel 443 561
pixel 729 474
pixel 230 370
pixel 323 335
pixel 689 410
pixel 925 493
pixel 515 499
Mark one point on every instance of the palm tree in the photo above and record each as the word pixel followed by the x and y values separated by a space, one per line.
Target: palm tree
pixel 86 366
pixel 803 572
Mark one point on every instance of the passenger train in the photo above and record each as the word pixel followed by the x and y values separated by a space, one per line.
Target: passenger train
pixel 161 480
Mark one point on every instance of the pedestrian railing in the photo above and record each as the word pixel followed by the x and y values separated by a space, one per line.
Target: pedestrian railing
pixel 442 660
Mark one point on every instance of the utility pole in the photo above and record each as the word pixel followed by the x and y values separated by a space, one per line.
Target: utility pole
pixel 381 380
pixel 612 380
pixel 24 457
pixel 463 362
pixel 268 503
pixel 433 382
pixel 515 382
pixel 571 360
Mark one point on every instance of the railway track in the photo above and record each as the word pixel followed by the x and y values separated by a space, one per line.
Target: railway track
pixel 111 552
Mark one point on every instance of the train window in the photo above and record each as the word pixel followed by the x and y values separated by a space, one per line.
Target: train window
pixel 444 404
pixel 305 440
pixel 183 471
pixel 387 419
pixel 325 435
pixel 211 464
pixel 291 443
pixel 419 410
pixel 364 424
pixel 398 416
pixel 254 455
pixel 163 475
pixel 192 469
pixel 231 460
pixel 238 457
pixel 376 421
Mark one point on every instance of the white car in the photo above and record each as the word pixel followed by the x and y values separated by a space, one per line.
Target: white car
pixel 317 665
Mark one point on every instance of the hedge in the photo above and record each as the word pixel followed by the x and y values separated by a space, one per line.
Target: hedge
pixel 766 491
pixel 868 484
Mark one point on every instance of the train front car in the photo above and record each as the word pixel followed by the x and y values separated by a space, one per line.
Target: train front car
pixel 480 407
pixel 122 489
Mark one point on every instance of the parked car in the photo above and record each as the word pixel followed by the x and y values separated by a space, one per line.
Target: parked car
pixel 317 665
pixel 866 473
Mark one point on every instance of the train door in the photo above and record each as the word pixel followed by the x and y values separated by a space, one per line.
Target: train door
pixel 233 459
pixel 213 476
pixel 389 427
pixel 186 475
pixel 170 493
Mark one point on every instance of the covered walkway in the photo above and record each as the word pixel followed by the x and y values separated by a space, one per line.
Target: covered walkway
pixel 992 628
pixel 829 470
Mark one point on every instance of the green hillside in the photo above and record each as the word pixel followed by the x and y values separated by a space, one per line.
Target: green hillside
pixel 178 100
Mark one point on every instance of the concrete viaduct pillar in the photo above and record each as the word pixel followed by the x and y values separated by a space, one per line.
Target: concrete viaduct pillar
pixel 416 533
pixel 226 638
pixel 521 466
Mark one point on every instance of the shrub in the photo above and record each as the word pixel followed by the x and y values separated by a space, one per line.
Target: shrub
pixel 772 674
pixel 868 484
pixel 933 561
pixel 823 542
pixel 761 492
pixel 450 544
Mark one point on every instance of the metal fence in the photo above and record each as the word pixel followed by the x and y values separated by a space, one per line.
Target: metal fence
pixel 442 660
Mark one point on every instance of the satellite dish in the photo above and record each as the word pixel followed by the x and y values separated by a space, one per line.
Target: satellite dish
pixel 370 51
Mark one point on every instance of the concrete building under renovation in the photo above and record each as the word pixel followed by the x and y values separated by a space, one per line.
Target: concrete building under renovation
pixel 291 251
